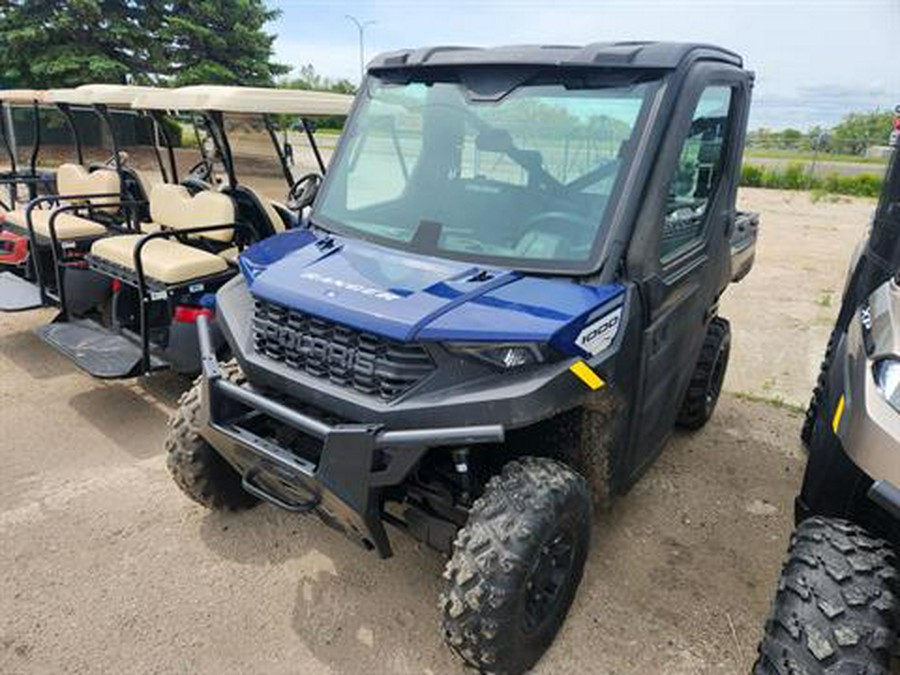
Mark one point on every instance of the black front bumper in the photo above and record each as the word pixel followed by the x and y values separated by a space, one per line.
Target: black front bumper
pixel 344 483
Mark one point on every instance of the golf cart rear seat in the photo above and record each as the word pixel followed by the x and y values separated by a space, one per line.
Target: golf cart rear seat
pixel 72 179
pixel 162 260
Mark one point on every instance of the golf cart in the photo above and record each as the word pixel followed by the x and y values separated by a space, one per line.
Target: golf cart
pixel 836 608
pixel 19 173
pixel 503 300
pixel 25 173
pixel 157 280
pixel 18 176
pixel 94 196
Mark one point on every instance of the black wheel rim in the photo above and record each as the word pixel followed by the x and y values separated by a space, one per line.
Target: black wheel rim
pixel 544 586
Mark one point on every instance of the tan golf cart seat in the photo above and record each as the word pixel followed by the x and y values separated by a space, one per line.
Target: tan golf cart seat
pixel 73 179
pixel 169 261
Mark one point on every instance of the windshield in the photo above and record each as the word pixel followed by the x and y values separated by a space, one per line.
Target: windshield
pixel 525 180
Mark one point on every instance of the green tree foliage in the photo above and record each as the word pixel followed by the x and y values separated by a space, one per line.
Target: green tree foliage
pixel 854 133
pixel 857 131
pixel 220 42
pixel 308 78
pixel 64 43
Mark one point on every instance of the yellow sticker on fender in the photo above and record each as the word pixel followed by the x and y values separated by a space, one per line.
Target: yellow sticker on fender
pixel 586 374
pixel 838 413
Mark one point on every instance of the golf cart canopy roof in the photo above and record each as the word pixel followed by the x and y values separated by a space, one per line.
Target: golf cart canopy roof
pixel 114 95
pixel 22 96
pixel 652 55
pixel 246 100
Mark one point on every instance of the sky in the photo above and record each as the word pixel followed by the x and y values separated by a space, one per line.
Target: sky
pixel 815 60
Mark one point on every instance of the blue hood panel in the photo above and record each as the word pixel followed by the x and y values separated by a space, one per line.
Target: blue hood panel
pixel 406 296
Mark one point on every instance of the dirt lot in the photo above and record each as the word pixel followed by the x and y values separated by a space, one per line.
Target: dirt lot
pixel 106 568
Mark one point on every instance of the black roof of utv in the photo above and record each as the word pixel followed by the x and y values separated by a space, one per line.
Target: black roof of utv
pixel 657 55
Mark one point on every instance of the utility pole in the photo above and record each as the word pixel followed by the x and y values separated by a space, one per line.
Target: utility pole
pixel 361 28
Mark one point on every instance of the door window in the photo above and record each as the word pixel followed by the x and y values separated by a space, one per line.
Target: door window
pixel 697 174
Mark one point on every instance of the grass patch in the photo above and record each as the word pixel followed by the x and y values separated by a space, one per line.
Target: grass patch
pixel 776 401
pixel 808 156
pixel 796 177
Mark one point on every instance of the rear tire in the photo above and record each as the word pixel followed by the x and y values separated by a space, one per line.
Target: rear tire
pixel 516 565
pixel 200 471
pixel 709 373
pixel 835 610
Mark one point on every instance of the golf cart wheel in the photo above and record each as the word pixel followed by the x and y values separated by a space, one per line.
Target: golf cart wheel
pixel 709 373
pixel 516 565
pixel 200 471
pixel 835 610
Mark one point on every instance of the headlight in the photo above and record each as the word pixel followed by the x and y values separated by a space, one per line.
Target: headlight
pixel 887 379
pixel 505 356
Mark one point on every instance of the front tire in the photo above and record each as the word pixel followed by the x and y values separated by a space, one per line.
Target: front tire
pixel 516 565
pixel 835 610
pixel 709 374
pixel 195 466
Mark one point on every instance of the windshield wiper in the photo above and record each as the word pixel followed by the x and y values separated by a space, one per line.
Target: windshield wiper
pixel 317 225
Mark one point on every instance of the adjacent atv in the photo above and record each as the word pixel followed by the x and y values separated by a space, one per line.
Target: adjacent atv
pixel 836 609
pixel 502 302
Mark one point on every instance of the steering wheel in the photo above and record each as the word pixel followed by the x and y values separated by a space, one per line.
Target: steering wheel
pixel 557 223
pixel 566 219
pixel 111 160
pixel 202 171
pixel 303 191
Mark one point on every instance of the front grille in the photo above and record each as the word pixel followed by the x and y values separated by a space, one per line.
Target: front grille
pixel 345 356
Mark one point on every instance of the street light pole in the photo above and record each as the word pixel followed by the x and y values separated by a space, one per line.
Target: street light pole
pixel 361 28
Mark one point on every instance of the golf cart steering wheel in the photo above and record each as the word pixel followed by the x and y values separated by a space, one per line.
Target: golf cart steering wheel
pixel 111 161
pixel 303 191
pixel 202 171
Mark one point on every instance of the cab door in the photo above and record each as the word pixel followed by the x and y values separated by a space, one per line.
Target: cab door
pixel 679 254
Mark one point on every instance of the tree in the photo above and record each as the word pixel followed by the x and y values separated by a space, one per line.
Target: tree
pixel 308 78
pixel 220 42
pixel 858 131
pixel 64 43
pixel 59 43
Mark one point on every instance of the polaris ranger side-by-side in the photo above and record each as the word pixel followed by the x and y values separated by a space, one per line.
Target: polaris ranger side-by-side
pixel 503 300
pixel 837 608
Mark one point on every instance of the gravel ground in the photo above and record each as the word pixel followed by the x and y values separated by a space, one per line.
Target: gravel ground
pixel 105 567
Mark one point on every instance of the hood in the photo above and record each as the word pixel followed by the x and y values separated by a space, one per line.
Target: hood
pixel 408 297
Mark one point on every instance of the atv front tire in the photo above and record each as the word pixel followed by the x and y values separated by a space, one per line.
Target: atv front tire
pixel 516 565
pixel 835 610
pixel 200 471
pixel 709 373
pixel 818 394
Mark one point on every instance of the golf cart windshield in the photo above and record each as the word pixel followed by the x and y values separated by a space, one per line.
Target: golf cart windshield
pixel 523 178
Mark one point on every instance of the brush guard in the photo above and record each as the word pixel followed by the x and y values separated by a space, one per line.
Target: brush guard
pixel 344 484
